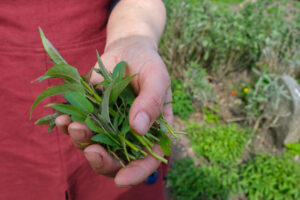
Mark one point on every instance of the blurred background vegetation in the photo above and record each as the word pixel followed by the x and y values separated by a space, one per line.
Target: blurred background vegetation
pixel 225 58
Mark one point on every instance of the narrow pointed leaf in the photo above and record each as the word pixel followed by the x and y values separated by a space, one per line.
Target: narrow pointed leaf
pixel 119 87
pixel 128 95
pixel 76 118
pixel 51 125
pixel 46 119
pixel 104 139
pixel 93 126
pixel 69 109
pixel 79 101
pixel 55 90
pixel 119 71
pixel 50 49
pixel 125 127
pixel 102 69
pixel 165 144
pixel 62 71
pixel 105 103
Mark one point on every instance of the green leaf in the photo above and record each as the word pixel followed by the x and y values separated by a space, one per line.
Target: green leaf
pixel 50 49
pixel 105 103
pixel 104 139
pixel 165 144
pixel 119 71
pixel 55 90
pixel 102 69
pixel 62 71
pixel 79 101
pixel 51 125
pixel 119 87
pixel 76 118
pixel 69 109
pixel 93 126
pixel 128 95
pixel 46 119
pixel 125 127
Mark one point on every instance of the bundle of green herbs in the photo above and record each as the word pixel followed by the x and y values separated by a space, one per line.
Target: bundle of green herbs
pixel 105 111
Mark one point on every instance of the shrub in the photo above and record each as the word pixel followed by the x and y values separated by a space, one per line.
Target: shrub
pixel 293 148
pixel 182 101
pixel 259 33
pixel 264 97
pixel 210 117
pixel 198 85
pixel 188 182
pixel 270 177
pixel 220 144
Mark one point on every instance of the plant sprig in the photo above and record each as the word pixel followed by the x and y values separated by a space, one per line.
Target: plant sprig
pixel 105 111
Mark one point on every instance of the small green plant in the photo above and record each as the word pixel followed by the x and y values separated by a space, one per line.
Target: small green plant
pixel 267 92
pixel 188 182
pixel 197 83
pixel 210 116
pixel 220 144
pixel 270 177
pixel 182 102
pixel 293 148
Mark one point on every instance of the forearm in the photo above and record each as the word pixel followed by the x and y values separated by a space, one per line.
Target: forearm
pixel 141 18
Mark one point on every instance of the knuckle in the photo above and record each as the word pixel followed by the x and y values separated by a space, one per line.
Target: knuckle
pixel 155 104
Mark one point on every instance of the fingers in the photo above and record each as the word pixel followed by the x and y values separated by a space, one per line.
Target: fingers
pixel 62 122
pixel 79 133
pixel 137 171
pixel 101 161
pixel 154 82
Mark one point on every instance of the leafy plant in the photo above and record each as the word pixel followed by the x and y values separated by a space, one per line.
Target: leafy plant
pixel 267 92
pixel 105 111
pixel 293 148
pixel 220 144
pixel 270 177
pixel 182 102
pixel 189 182
pixel 197 83
pixel 225 40
pixel 210 116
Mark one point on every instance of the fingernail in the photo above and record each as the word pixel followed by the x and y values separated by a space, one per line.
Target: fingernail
pixel 141 123
pixel 94 158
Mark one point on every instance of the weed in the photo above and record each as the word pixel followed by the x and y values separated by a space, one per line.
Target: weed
pixel 182 101
pixel 205 182
pixel 220 144
pixel 270 177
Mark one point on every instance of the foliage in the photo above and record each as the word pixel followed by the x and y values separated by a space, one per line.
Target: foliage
pixel 182 101
pixel 204 182
pixel 221 39
pixel 264 97
pixel 220 144
pixel 105 111
pixel 270 177
pixel 210 116
pixel 293 148
pixel 197 83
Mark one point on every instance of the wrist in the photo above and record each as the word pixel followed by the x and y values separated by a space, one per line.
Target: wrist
pixel 126 43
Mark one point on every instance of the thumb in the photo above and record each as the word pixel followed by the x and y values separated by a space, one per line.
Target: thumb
pixel 154 83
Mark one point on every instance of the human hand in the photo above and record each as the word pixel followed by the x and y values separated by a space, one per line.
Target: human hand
pixel 153 88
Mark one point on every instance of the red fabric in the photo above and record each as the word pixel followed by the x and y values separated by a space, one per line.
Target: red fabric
pixel 34 164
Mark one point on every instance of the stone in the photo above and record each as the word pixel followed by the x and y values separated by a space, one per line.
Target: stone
pixel 287 129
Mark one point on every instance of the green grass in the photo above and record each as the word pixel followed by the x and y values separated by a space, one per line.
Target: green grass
pixel 227 1
pixel 220 144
